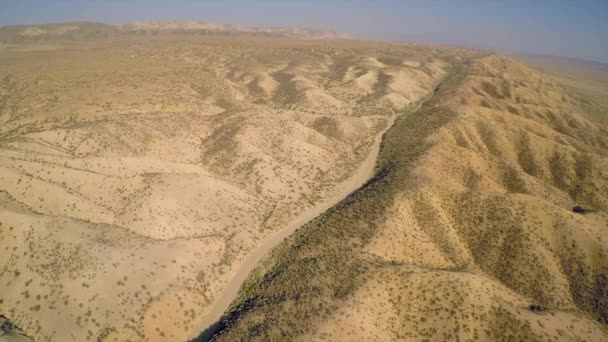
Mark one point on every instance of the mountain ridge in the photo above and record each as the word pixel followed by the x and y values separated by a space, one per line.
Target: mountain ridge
pixel 470 230
pixel 87 29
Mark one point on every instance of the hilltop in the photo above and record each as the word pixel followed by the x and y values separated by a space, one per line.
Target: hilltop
pixel 137 174
pixel 487 220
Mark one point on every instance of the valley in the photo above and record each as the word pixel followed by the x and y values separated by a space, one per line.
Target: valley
pixel 176 181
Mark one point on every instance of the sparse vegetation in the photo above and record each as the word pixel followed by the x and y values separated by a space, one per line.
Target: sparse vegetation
pixel 168 158
pixel 496 240
pixel 138 172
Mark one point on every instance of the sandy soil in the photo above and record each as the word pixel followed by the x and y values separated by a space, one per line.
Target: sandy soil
pixel 139 173
pixel 469 231
pixel 363 174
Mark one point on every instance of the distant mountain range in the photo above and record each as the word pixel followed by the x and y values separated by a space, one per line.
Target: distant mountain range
pixel 573 62
pixel 76 30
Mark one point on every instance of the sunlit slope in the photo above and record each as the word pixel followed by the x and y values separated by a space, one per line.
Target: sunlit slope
pixel 467 231
pixel 136 174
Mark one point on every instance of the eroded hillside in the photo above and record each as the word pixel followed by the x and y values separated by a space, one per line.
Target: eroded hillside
pixel 487 220
pixel 136 174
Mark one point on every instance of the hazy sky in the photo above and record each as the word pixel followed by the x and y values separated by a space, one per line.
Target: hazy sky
pixel 560 27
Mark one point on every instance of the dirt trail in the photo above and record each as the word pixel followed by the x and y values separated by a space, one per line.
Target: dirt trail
pixel 362 175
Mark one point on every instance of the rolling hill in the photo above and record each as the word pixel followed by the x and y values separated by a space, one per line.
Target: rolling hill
pixel 329 189
pixel 486 221
pixel 138 173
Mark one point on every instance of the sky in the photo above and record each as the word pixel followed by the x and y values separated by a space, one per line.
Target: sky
pixel 569 28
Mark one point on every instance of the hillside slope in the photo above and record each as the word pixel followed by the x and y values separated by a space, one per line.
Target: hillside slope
pixel 487 219
pixel 136 175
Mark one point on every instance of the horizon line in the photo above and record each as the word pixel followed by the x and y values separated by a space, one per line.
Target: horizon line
pixel 346 34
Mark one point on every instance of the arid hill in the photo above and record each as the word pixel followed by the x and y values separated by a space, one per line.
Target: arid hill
pixel 487 220
pixel 136 174
pixel 142 164
pixel 94 31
